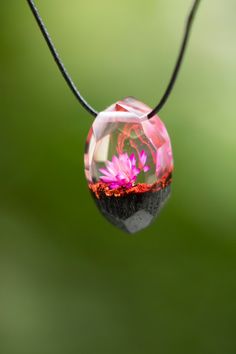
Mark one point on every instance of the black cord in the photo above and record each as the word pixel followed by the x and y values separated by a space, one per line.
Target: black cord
pixel 58 60
pixel 179 60
pixel 73 86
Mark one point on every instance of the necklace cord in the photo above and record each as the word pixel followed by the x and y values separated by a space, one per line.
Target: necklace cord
pixel 179 61
pixel 58 61
pixel 72 85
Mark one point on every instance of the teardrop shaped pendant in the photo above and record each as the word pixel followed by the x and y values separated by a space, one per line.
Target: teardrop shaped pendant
pixel 128 164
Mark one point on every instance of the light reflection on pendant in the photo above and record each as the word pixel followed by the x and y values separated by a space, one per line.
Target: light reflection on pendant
pixel 128 164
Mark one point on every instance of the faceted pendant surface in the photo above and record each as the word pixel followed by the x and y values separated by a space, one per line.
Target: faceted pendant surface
pixel 128 164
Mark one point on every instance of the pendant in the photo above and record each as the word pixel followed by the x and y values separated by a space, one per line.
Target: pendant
pixel 128 164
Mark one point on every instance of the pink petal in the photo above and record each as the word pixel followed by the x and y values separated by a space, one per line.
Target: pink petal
pixel 132 160
pixel 112 170
pixel 143 157
pixel 136 171
pixel 106 179
pixel 125 167
pixel 114 186
pixel 105 172
pixel 112 167
pixel 124 160
pixel 146 168
pixel 115 164
pixel 133 179
pixel 121 176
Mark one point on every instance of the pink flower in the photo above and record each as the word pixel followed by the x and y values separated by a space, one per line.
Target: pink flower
pixel 122 170
pixel 142 160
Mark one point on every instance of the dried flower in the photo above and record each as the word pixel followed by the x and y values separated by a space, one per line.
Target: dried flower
pixel 122 170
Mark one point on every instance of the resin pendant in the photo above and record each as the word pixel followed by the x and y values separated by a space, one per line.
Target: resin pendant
pixel 128 164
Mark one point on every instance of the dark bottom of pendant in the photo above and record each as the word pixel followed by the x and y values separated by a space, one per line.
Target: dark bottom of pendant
pixel 134 211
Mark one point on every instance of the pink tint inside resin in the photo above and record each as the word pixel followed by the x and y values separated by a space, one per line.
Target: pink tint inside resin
pixel 125 149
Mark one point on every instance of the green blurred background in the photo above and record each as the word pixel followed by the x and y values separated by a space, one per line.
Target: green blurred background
pixel 70 282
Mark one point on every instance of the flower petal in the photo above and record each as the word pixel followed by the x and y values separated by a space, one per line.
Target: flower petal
pixel 105 172
pixel 135 171
pixel 133 160
pixel 143 157
pixel 114 186
pixel 106 179
pixel 146 168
